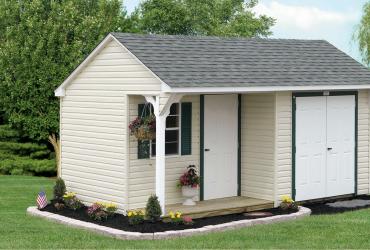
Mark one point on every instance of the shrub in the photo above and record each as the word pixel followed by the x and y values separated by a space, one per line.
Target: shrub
pixel 20 156
pixel 153 209
pixel 288 204
pixel 135 217
pixel 16 165
pixel 71 201
pixel 96 212
pixel 59 189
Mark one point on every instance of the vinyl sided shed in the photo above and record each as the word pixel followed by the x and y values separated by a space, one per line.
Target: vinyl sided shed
pixel 260 118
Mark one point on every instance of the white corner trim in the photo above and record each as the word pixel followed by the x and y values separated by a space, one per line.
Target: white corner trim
pixel 60 91
pixel 211 90
pixel 125 235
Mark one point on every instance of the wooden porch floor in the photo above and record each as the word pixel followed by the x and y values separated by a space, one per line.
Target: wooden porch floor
pixel 222 206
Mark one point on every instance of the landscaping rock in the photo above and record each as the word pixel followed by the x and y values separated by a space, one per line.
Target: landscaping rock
pixel 120 234
pixel 255 215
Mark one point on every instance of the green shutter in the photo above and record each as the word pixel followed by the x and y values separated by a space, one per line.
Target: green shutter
pixel 186 115
pixel 143 147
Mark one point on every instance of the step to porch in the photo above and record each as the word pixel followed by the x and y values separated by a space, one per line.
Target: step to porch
pixel 224 206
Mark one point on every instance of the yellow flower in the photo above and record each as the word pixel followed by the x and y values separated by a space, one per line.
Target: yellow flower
pixel 69 195
pixel 129 214
pixel 110 205
pixel 178 214
pixel 286 198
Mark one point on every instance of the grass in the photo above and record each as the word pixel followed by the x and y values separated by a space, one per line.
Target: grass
pixel 17 230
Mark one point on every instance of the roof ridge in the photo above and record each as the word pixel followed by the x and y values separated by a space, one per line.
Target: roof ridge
pixel 196 37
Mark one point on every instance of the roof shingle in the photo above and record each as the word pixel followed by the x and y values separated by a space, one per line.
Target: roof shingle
pixel 185 61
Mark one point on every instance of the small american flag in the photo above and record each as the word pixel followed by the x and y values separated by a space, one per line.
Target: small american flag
pixel 41 200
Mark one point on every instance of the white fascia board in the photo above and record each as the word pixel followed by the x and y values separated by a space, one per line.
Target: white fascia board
pixel 211 90
pixel 60 91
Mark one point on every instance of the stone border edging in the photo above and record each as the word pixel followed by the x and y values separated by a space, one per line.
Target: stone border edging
pixel 120 234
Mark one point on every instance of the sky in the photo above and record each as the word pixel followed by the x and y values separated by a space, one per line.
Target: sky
pixel 331 20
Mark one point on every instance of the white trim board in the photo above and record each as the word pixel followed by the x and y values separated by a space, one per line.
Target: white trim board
pixel 212 90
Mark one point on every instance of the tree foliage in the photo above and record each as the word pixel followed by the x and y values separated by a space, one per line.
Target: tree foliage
pixel 362 34
pixel 202 17
pixel 19 156
pixel 41 42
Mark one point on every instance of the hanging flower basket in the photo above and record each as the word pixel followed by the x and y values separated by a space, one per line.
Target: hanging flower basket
pixel 143 128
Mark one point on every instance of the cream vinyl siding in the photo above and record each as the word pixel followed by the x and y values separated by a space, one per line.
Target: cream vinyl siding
pixel 141 181
pixel 363 143
pixel 283 145
pixel 94 125
pixel 111 73
pixel 258 145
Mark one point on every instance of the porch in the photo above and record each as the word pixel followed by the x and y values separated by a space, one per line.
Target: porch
pixel 222 206
pixel 235 158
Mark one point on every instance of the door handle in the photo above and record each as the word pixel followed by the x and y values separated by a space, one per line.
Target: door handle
pixel 207 149
pixel 329 149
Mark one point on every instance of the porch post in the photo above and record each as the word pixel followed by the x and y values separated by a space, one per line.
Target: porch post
pixel 160 160
pixel 160 141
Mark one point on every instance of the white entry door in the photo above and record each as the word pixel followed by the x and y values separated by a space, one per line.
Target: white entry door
pixel 325 146
pixel 341 145
pixel 220 146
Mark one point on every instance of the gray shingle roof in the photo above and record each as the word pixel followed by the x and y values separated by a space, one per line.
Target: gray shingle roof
pixel 183 61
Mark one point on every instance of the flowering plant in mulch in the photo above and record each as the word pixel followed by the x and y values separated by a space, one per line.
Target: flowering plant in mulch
pixel 187 220
pixel 143 128
pixel 109 207
pixel 135 217
pixel 177 218
pixel 97 212
pixel 288 204
pixel 71 201
pixel 189 178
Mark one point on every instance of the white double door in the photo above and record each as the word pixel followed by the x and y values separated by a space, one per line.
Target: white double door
pixel 325 146
pixel 220 146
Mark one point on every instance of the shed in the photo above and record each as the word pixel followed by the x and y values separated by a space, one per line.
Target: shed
pixel 259 118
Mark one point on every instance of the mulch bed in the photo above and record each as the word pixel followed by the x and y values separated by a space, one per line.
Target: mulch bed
pixel 120 221
pixel 318 208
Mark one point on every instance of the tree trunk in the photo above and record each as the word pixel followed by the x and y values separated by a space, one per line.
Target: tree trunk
pixel 56 145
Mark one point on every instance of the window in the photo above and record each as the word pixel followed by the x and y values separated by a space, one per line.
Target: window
pixel 172 132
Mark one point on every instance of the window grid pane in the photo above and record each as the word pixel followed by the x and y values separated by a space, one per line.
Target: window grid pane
pixel 172 132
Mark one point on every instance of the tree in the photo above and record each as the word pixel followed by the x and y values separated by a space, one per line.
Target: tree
pixel 202 17
pixel 41 42
pixel 362 34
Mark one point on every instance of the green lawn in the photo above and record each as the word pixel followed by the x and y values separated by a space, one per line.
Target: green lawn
pixel 17 230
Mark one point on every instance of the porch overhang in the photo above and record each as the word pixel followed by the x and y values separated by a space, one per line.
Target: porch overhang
pixel 229 90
